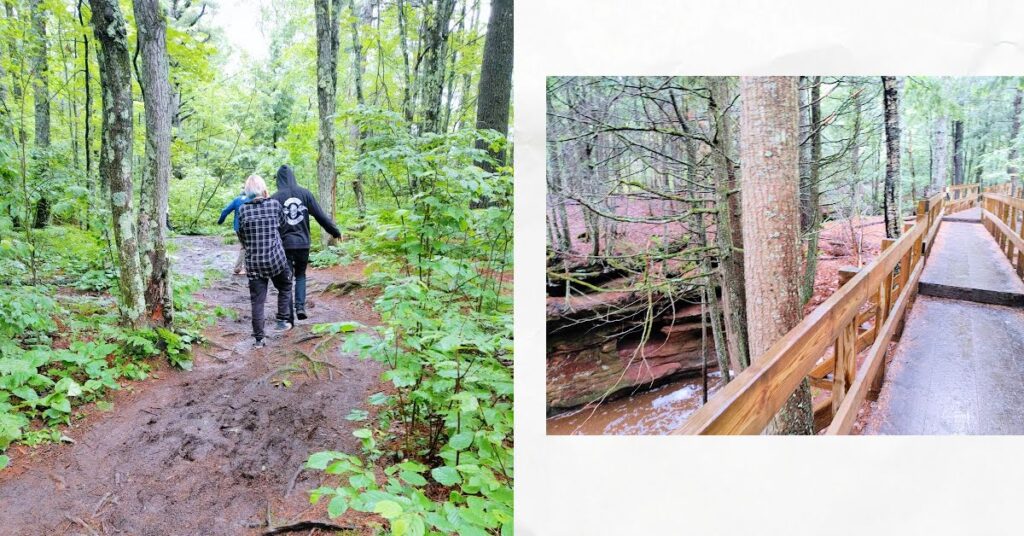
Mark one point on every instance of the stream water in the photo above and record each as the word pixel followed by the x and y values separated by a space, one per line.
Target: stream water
pixel 655 412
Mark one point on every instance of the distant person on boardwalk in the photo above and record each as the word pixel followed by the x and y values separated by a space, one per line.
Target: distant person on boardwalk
pixel 298 205
pixel 259 222
pixel 232 208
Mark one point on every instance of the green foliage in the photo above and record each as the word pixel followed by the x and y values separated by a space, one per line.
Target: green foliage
pixel 39 382
pixel 446 342
pixel 56 354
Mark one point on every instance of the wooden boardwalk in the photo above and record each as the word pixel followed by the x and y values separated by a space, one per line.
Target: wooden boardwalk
pixel 959 366
pixel 948 292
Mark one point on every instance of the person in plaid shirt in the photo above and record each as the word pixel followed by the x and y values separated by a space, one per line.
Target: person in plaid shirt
pixel 259 221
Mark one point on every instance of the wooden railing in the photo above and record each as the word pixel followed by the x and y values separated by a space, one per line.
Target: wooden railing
pixel 1002 216
pixel 962 197
pixel 864 313
pixel 1005 188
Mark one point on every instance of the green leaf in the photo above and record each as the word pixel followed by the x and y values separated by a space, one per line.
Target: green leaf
pixel 362 433
pixel 461 440
pixel 319 460
pixel 388 509
pixel 408 525
pixel 413 478
pixel 446 476
pixel 4 461
pixel 60 402
pixel 337 506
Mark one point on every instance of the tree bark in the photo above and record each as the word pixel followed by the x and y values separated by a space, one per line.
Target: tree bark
pixel 435 51
pixel 41 97
pixel 940 156
pixel 152 34
pixel 1011 166
pixel 407 88
pixel 892 163
pixel 116 152
pixel 958 152
pixel 727 233
pixel 327 12
pixel 771 226
pixel 811 218
pixel 88 118
pixel 357 133
pixel 495 88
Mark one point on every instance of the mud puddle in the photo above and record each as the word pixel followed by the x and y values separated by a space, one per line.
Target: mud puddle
pixel 659 411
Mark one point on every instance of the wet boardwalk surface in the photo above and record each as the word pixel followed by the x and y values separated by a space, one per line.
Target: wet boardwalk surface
pixel 959 366
pixel 966 257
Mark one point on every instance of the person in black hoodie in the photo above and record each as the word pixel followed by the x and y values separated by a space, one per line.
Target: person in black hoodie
pixel 299 205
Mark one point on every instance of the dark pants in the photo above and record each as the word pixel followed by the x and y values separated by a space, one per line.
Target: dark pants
pixel 299 258
pixel 258 296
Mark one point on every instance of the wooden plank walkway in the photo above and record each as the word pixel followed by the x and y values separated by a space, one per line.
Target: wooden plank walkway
pixel 959 366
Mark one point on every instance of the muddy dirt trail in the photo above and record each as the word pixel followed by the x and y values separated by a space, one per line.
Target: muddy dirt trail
pixel 216 450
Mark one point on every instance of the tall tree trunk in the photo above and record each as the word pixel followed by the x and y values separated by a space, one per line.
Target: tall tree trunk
pixel 435 52
pixel 1011 165
pixel 727 233
pixel 6 124
pixel 116 152
pixel 41 97
pixel 357 133
pixel 156 84
pixel 958 152
pixel 771 226
pixel 495 88
pixel 88 119
pixel 407 88
pixel 940 156
pixel 810 220
pixel 713 279
pixel 890 88
pixel 327 12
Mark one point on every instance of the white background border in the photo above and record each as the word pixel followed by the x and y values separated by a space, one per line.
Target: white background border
pixel 752 485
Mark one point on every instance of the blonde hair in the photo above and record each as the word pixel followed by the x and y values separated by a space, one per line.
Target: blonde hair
pixel 255 186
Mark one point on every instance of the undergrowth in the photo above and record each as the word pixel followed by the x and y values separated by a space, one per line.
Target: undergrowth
pixel 438 457
pixel 61 348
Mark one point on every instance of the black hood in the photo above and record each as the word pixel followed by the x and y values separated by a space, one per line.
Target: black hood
pixel 286 178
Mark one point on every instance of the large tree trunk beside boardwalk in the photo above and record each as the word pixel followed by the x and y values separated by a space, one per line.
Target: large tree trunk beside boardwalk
pixel 1015 130
pixel 890 89
pixel 327 12
pixel 495 89
pixel 958 152
pixel 156 95
pixel 116 153
pixel 727 233
pixel 810 218
pixel 940 156
pixel 1011 166
pixel 771 226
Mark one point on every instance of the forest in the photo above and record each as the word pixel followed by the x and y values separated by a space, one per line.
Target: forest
pixel 132 399
pixel 693 221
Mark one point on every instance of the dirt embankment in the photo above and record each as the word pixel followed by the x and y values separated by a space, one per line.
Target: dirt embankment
pixel 217 450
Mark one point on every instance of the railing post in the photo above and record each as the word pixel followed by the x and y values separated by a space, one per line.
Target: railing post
pixel 846 362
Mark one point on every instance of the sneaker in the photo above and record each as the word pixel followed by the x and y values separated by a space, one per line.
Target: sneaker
pixel 260 343
pixel 301 314
pixel 283 325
